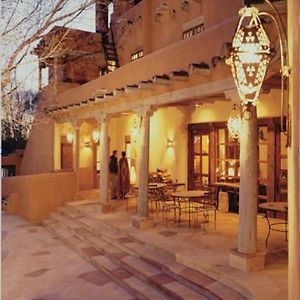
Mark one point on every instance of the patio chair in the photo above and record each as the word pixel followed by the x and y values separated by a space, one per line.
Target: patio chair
pixel 167 205
pixel 207 207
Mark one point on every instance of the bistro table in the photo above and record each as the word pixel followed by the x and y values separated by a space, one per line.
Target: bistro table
pixel 192 196
pixel 232 187
pixel 275 207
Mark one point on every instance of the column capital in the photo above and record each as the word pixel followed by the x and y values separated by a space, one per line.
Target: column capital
pixel 101 118
pixel 144 111
pixel 76 123
pixel 232 94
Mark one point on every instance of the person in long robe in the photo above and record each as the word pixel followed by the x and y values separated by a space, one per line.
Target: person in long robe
pixel 124 177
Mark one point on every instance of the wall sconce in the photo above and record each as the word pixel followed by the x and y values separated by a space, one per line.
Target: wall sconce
pixel 87 144
pixel 234 123
pixel 95 136
pixel 70 137
pixel 159 16
pixel 170 143
pixel 185 5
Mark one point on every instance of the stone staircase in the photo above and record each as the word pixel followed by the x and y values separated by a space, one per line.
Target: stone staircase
pixel 143 271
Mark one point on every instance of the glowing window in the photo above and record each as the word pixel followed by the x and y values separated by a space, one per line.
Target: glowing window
pixel 192 31
pixel 137 55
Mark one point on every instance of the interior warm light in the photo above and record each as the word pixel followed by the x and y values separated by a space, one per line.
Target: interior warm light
pixel 70 138
pixel 234 123
pixel 250 55
pixel 132 175
pixel 95 136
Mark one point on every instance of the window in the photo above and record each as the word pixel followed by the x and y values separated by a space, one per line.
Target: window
pixel 110 12
pixel 227 157
pixel 192 31
pixel 137 55
pixel 8 171
pixel 220 161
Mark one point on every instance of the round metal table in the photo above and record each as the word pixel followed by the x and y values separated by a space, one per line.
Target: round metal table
pixel 275 207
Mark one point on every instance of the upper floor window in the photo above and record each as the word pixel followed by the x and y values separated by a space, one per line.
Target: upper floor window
pixel 192 31
pixel 137 55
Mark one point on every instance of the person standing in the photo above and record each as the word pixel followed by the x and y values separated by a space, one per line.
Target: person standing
pixel 113 174
pixel 124 178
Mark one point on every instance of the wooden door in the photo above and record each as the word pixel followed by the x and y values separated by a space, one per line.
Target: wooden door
pixel 66 156
pixel 198 159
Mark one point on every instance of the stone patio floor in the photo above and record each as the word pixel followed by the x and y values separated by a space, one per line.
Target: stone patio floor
pixel 37 266
pixel 206 250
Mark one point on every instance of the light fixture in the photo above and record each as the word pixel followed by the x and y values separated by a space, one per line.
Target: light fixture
pixel 250 55
pixel 170 143
pixel 95 136
pixel 87 144
pixel 185 5
pixel 70 138
pixel 234 123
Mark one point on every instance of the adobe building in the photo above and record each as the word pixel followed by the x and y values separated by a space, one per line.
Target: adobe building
pixel 155 84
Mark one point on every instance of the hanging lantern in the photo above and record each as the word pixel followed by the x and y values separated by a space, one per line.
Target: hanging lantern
pixel 234 123
pixel 250 55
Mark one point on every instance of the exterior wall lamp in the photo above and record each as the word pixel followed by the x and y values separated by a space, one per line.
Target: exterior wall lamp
pixel 234 123
pixel 70 137
pixel 170 143
pixel 95 136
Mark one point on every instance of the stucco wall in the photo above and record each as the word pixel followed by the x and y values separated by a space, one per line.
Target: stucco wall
pixel 268 106
pixel 38 155
pixel 151 34
pixel 34 196
pixel 168 123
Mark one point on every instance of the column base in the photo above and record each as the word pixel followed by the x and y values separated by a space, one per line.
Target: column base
pixel 106 208
pixel 247 262
pixel 142 222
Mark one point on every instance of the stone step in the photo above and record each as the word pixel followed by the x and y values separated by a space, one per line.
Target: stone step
pixel 133 284
pixel 122 249
pixel 138 267
pixel 63 220
pixel 69 212
pixel 149 272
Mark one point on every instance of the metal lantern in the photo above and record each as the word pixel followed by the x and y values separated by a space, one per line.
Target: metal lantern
pixel 250 55
pixel 234 123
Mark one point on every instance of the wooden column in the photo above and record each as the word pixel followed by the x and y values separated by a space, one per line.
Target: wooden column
pixel 248 183
pixel 76 151
pixel 142 219
pixel 104 157
pixel 294 151
pixel 246 257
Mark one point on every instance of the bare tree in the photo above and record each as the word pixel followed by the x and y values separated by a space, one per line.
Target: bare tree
pixel 24 24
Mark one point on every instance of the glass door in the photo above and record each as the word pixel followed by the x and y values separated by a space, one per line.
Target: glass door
pixel 199 160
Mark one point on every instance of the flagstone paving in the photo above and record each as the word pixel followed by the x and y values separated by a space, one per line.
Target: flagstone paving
pixel 35 266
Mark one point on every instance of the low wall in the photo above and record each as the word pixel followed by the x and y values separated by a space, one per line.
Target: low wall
pixel 34 196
